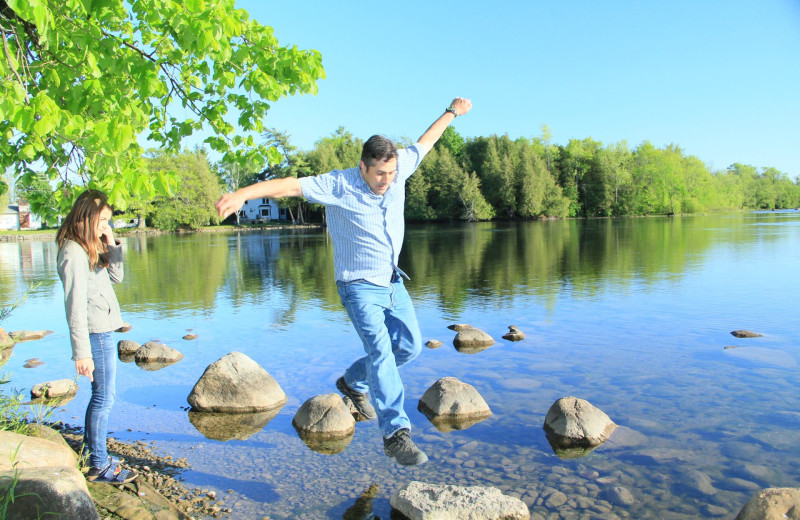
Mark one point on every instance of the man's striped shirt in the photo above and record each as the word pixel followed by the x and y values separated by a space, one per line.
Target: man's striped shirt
pixel 367 229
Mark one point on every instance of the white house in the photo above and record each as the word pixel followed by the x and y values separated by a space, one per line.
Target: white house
pixel 19 217
pixel 261 210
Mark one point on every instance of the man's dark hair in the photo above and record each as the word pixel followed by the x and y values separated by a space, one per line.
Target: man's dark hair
pixel 378 149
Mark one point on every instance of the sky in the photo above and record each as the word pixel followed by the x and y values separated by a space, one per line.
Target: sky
pixel 720 79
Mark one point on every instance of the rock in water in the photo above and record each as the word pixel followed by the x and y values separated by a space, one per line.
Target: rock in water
pixel 434 343
pixel 514 334
pixel 458 327
pixel 57 388
pixel 745 334
pixel 29 335
pixel 421 501
pixel 573 422
pixel 127 347
pixel 472 340
pixel 236 384
pixel 453 405
pixel 324 416
pixel 153 352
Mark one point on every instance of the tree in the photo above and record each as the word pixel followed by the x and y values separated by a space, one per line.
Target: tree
pixel 192 206
pixel 83 79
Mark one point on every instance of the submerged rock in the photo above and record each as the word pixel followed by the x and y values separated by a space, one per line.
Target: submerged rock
pixel 576 423
pixel 772 504
pixel 33 363
pixel 236 384
pixel 190 337
pixel 419 501
pixel 453 405
pixel 57 388
pixel 514 334
pixel 745 334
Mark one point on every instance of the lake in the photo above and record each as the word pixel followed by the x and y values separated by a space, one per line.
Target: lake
pixel 632 315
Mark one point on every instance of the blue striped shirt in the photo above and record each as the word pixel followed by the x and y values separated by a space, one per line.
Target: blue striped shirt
pixel 367 229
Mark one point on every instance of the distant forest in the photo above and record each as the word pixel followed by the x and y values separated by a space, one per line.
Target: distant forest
pixel 496 177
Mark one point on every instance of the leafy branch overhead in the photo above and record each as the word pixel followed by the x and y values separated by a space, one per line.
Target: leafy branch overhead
pixel 84 79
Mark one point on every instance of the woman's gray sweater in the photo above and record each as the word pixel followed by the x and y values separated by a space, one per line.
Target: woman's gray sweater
pixel 89 298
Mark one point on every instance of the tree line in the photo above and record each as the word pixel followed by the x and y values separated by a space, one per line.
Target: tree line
pixel 487 178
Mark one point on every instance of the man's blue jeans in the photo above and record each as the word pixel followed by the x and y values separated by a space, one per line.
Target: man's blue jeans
pixel 104 392
pixel 387 325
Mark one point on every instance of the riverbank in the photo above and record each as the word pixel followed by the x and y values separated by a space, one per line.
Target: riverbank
pixel 50 234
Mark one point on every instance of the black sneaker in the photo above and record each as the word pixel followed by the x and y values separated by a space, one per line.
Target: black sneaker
pixel 360 401
pixel 403 450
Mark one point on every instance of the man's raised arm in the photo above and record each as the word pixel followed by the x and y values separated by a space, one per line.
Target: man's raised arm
pixel 271 189
pixel 458 107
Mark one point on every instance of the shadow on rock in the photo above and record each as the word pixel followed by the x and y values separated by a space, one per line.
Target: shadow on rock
pixel 228 426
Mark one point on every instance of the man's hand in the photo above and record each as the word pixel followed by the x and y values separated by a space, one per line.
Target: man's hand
pixel 228 204
pixel 85 367
pixel 461 106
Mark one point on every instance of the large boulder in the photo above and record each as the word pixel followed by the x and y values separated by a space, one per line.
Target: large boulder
pixel 472 340
pixel 236 384
pixel 53 389
pixel 573 422
pixel 22 451
pixel 39 492
pixel 772 504
pixel 451 404
pixel 421 501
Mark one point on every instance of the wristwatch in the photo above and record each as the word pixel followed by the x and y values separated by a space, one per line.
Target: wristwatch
pixel 451 110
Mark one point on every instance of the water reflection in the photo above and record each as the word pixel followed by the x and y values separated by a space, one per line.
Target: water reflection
pixel 632 314
pixel 228 426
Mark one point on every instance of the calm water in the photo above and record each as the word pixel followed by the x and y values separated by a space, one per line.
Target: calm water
pixel 631 315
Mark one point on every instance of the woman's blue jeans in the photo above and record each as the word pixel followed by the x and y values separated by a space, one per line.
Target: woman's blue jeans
pixel 385 320
pixel 104 392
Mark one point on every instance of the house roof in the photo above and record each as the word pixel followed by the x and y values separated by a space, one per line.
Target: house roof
pixel 10 210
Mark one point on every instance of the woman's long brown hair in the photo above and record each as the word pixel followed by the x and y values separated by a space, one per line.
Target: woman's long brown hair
pixel 80 226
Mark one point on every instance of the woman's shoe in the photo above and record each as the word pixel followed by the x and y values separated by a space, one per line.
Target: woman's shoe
pixel 112 474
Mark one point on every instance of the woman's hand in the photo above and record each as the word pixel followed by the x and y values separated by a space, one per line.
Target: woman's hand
pixel 85 367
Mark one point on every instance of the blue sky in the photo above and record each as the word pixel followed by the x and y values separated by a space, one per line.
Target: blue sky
pixel 719 79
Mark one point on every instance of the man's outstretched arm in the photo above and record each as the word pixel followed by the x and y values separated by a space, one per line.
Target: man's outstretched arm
pixel 435 131
pixel 271 189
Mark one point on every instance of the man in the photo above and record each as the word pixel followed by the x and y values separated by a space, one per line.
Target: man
pixel 364 207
